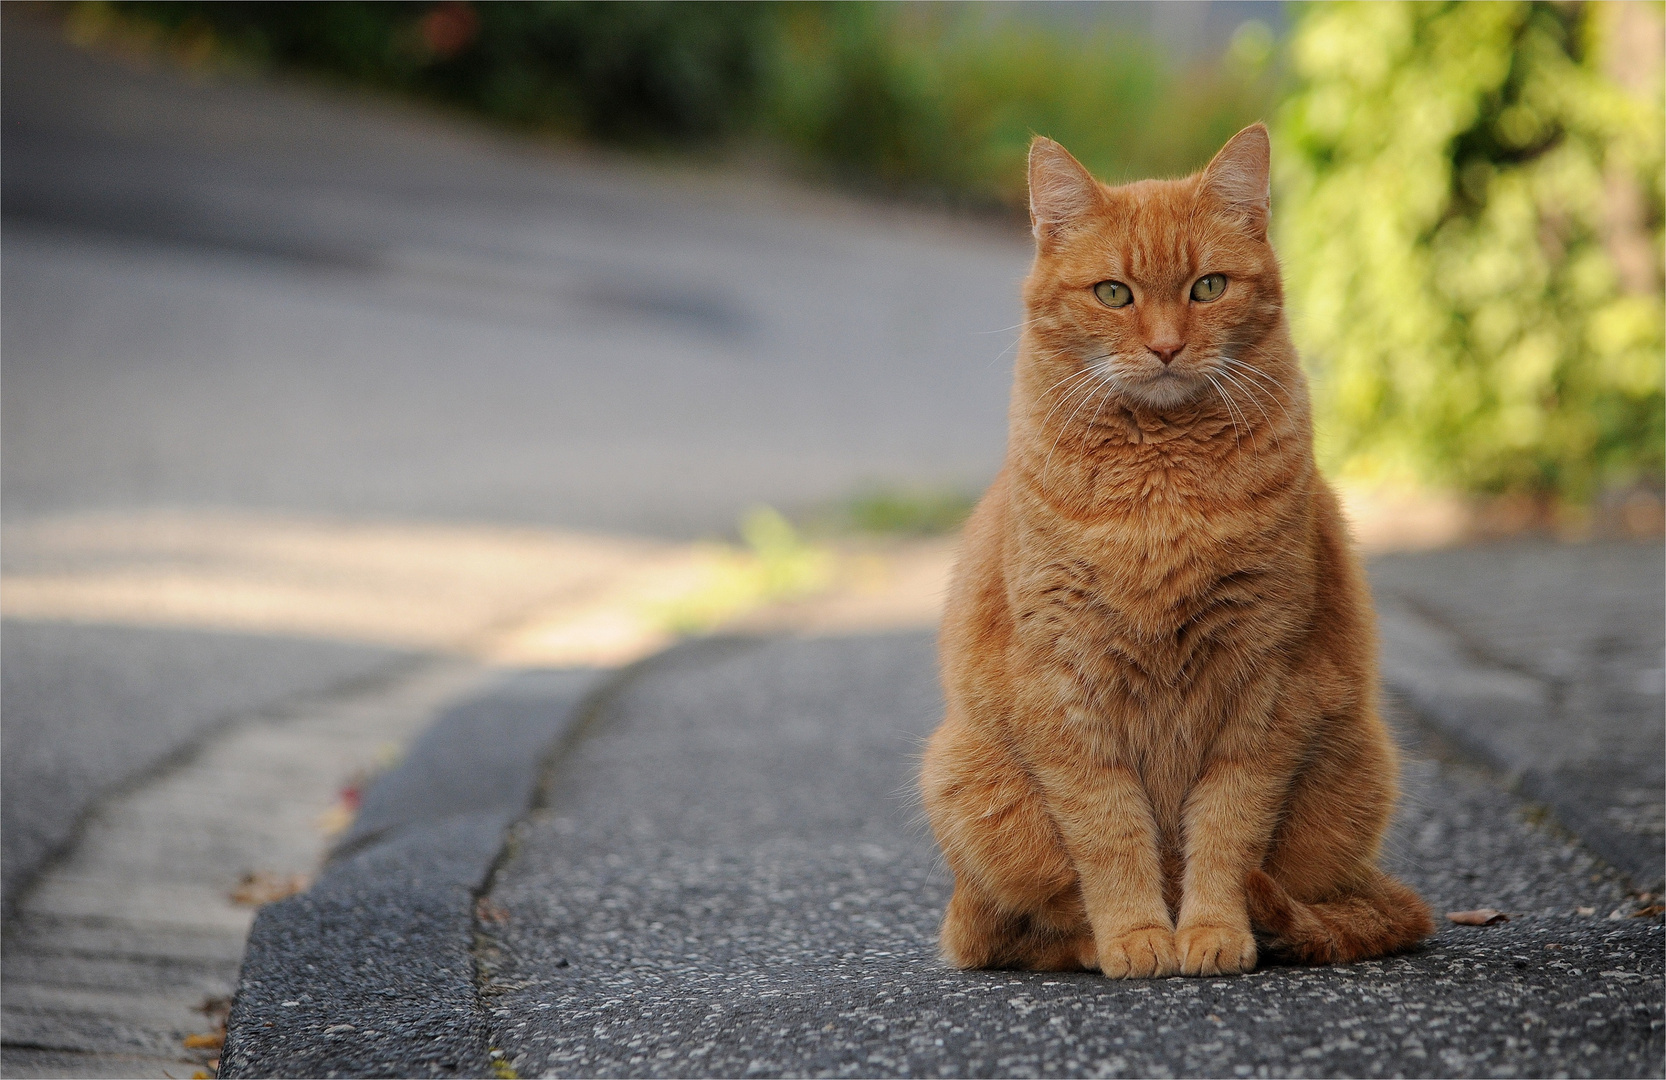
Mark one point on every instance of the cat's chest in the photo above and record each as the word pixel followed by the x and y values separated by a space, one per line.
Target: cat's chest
pixel 1128 613
pixel 1107 582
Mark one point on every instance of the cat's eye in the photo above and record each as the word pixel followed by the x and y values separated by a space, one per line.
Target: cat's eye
pixel 1113 294
pixel 1208 287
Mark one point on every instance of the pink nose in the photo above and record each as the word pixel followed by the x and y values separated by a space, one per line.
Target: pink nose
pixel 1166 351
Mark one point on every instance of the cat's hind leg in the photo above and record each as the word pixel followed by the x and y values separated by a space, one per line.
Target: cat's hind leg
pixel 977 933
pixel 1319 894
pixel 1017 900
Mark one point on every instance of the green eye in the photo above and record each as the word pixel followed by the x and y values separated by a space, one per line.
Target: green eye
pixel 1113 294
pixel 1208 287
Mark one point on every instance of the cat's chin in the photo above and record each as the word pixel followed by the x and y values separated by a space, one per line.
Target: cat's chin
pixel 1163 391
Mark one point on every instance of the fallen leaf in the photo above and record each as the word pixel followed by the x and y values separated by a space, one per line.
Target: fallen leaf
pixel 1479 917
pixel 259 887
pixel 217 1009
pixel 1647 912
pixel 348 800
pixel 1586 910
pixel 488 910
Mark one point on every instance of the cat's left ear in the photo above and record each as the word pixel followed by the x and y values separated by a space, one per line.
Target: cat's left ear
pixel 1238 178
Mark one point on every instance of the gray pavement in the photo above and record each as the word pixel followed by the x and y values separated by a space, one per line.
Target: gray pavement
pixel 385 938
pixel 726 874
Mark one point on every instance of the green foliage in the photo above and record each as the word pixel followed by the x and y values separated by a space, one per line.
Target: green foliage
pixel 501 1066
pixel 1471 218
pixel 942 97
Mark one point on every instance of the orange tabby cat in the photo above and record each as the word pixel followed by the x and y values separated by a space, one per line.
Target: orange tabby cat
pixel 1158 651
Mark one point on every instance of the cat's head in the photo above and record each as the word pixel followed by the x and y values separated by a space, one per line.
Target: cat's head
pixel 1158 286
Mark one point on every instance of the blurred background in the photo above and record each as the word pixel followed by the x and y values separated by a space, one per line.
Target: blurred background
pixel 341 335
pixel 1469 206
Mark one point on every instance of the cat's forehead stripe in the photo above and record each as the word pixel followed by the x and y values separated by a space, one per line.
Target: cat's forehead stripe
pixel 1151 243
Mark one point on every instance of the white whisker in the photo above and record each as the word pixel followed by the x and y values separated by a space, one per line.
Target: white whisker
pixel 1065 426
pixel 1014 326
pixel 1106 396
pixel 1078 373
pixel 1084 387
pixel 1251 370
pixel 1227 375
pixel 1088 370
pixel 1249 428
pixel 1015 341
pixel 1237 436
pixel 1079 378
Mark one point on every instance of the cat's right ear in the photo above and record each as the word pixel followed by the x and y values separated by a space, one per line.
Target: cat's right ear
pixel 1238 178
pixel 1062 193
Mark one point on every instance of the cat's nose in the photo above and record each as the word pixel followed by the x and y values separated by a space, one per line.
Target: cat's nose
pixel 1166 351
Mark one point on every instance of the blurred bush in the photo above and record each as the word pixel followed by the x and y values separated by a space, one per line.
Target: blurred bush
pixel 1471 217
pixel 629 72
pixel 946 97
pixel 935 99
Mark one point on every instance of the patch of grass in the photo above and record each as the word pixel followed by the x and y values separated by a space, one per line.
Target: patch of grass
pixel 907 511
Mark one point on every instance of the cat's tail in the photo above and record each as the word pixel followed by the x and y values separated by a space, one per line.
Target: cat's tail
pixel 1382 917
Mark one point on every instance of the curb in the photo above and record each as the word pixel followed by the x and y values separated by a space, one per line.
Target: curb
pixel 1481 709
pixel 371 972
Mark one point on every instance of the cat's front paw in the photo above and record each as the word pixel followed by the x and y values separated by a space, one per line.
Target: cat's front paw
pixel 1145 953
pixel 1215 950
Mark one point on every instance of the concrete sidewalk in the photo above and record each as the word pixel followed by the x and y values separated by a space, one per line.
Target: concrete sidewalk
pixel 724 874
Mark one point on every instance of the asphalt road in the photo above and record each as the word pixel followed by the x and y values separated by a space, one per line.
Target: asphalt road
pixel 264 295
pixel 727 875
pixel 232 294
